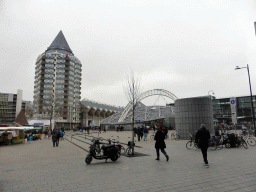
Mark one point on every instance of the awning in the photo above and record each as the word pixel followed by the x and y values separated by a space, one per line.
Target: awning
pixel 13 128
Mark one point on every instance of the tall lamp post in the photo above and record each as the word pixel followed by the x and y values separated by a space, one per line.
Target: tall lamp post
pixel 253 116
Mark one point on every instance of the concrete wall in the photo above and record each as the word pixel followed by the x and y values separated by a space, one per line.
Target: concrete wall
pixel 190 113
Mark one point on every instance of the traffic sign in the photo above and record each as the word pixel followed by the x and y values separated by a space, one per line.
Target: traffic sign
pixel 232 102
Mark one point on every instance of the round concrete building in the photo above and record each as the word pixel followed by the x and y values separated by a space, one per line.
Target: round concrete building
pixel 190 113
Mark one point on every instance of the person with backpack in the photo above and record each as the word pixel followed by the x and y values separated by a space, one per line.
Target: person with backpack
pixel 202 139
pixel 160 144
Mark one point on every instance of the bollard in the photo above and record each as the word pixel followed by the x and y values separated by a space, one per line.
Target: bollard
pixel 71 137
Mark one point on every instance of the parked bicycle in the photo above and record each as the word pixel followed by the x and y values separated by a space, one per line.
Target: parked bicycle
pixel 249 140
pixel 233 140
pixel 191 144
pixel 175 136
pixel 128 151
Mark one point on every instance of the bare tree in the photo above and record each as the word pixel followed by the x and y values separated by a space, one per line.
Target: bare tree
pixel 52 111
pixel 132 91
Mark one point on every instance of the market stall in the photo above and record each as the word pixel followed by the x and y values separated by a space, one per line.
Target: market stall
pixel 12 135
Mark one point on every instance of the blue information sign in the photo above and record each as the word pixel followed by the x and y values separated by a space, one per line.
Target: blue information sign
pixel 137 121
pixel 232 102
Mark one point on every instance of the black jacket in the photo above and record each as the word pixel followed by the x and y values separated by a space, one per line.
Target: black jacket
pixel 54 137
pixel 159 137
pixel 202 137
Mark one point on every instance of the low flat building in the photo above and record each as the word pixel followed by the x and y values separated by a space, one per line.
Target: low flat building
pixel 92 112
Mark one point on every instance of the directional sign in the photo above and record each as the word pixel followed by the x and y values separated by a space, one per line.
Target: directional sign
pixel 232 102
pixel 137 121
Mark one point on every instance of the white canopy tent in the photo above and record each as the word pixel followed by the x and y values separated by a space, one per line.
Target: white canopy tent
pixel 13 128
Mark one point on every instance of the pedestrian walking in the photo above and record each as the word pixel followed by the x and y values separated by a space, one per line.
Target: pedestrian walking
pixel 104 129
pixel 145 131
pixel 138 133
pixel 54 139
pixel 134 131
pixel 58 137
pixel 61 135
pixel 99 129
pixel 49 134
pixel 202 139
pixel 141 131
pixel 160 144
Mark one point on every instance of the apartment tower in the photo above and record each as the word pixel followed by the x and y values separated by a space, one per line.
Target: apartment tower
pixel 57 87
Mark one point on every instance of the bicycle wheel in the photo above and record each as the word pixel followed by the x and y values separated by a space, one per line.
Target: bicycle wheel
pixel 172 136
pixel 190 145
pixel 128 151
pixel 152 137
pixel 212 145
pixel 177 138
pixel 251 141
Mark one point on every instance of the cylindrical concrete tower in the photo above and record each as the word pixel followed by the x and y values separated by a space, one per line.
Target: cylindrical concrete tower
pixel 190 113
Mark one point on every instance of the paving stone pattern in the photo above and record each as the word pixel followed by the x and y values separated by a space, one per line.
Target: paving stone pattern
pixel 39 166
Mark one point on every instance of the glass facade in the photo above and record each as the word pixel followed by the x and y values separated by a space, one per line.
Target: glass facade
pixel 222 109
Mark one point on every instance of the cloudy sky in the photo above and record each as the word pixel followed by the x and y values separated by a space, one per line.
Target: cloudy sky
pixel 188 47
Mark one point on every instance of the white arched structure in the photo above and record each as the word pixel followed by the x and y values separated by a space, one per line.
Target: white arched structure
pixel 144 95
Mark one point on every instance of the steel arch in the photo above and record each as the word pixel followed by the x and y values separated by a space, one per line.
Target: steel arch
pixel 144 95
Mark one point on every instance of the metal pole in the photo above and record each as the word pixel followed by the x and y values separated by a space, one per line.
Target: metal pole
pixel 253 116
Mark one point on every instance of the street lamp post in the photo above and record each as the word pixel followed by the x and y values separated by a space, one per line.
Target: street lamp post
pixel 253 116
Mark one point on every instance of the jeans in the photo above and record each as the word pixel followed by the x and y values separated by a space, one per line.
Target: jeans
pixel 204 152
pixel 162 150
pixel 55 142
pixel 145 136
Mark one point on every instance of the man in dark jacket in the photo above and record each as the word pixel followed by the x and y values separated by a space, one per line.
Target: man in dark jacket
pixel 58 137
pixel 160 144
pixel 54 138
pixel 138 133
pixel 202 139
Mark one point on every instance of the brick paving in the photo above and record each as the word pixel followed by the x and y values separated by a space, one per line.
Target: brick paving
pixel 40 167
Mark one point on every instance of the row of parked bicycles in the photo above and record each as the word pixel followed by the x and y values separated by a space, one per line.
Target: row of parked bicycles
pixel 227 140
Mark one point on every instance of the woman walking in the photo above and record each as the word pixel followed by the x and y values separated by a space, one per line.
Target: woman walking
pixel 160 144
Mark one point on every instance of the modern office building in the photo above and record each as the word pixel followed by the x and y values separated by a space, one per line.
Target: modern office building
pixel 57 84
pixel 10 107
pixel 234 110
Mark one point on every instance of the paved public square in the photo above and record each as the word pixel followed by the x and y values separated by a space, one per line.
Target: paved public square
pixel 38 166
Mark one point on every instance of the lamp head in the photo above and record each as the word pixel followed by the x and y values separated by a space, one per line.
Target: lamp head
pixel 237 68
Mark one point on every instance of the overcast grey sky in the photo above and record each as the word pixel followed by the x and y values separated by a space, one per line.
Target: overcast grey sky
pixel 187 47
